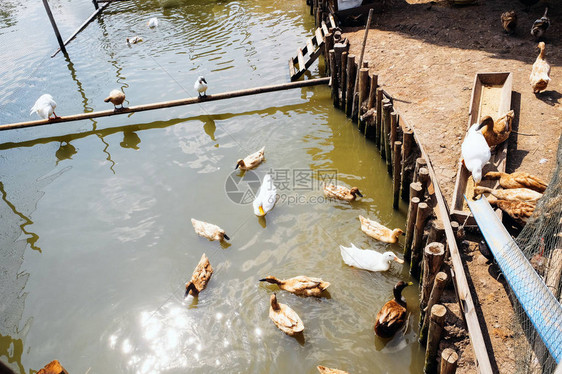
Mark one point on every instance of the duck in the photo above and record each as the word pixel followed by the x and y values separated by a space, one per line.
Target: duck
pixel 201 276
pixel 266 197
pixel 377 231
pixel 392 315
pixel 496 132
pixel 475 150
pixel 134 40
pixel 325 370
pixel 367 259
pixel 208 230
pixel 540 25
pixel 520 211
pixel 518 179
pixel 116 97
pixel 300 285
pixel 513 194
pixel 509 21
pixel 540 73
pixel 285 318
pixel 251 161
pixel 341 192
pixel 152 22
pixel 53 367
pixel 201 86
pixel 45 107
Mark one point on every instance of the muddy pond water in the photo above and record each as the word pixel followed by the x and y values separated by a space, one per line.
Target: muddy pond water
pixel 96 240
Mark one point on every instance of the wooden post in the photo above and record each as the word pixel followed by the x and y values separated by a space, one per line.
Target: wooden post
pixel 328 45
pixel 423 212
pixel 438 313
pixel 407 166
pixel 433 256
pixel 439 284
pixel 420 163
pixel 351 72
pixel 343 82
pixel 334 75
pixel 378 122
pixel 554 272
pixel 340 48
pixel 360 62
pixel 396 175
pixel 449 360
pixel 423 178
pixel 54 24
pixel 436 231
pixel 393 125
pixel 363 90
pixel 415 192
pixel 384 125
pixel 371 102
pixel 386 110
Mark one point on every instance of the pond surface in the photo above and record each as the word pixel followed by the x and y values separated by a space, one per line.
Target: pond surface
pixel 96 242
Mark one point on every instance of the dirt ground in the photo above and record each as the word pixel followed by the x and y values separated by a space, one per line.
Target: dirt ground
pixel 426 55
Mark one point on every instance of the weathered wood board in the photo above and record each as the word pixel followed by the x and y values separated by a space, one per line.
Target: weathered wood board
pixel 491 96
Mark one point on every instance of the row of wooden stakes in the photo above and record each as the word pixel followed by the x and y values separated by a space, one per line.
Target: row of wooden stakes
pixel 358 94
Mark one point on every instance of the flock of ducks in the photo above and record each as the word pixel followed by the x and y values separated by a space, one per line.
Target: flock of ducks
pixel 538 29
pixel 392 316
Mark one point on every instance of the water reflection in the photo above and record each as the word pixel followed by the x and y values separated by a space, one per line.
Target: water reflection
pixel 13 350
pixel 210 127
pixel 130 140
pixel 65 151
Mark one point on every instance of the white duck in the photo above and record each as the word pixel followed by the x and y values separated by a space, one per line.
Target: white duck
pixel 266 197
pixel 368 259
pixel 44 107
pixel 475 150
pixel 201 86
pixel 153 22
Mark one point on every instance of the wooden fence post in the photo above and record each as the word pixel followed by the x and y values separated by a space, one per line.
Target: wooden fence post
pixel 334 75
pixel 415 193
pixel 396 175
pixel 439 284
pixel 449 360
pixel 343 82
pixel 423 212
pixel 363 90
pixel 407 167
pixel 351 72
pixel 438 313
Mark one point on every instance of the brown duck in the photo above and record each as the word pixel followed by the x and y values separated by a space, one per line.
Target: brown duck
pixel 392 316
pixel 300 285
pixel 496 132
pixel 519 179
pixel 201 276
pixel 285 318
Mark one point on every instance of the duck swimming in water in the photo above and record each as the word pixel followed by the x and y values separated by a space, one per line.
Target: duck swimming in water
pixel 266 197
pixel 251 161
pixel 367 259
pixel 392 315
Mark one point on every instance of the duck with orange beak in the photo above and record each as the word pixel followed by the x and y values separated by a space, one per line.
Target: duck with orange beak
pixel 266 198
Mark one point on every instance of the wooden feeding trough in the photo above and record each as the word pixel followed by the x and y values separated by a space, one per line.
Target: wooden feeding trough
pixel 491 96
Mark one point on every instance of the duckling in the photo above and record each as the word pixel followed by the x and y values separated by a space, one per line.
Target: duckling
pixel 367 259
pixel 208 230
pixel 520 211
pixel 392 315
pixel 201 276
pixel 475 150
pixel 498 131
pixel 540 74
pixel 509 21
pixel 152 22
pixel 134 40
pixel 377 231
pixel 285 318
pixel 540 25
pixel 518 179
pixel 266 197
pixel 45 107
pixel 53 367
pixel 325 370
pixel 341 192
pixel 201 86
pixel 300 285
pixel 116 97
pixel 251 161
pixel 513 194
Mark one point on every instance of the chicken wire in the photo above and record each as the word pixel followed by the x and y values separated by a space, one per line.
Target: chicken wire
pixel 540 241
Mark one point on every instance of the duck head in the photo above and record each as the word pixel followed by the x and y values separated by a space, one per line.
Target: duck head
pixel 398 290
pixel 240 163
pixel 201 79
pixel 274 303
pixel 397 232
pixel 389 256
pixel 355 192
pixel 270 279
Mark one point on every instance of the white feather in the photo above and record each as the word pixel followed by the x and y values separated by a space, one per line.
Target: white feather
pixel 44 106
pixel 266 196
pixel 475 152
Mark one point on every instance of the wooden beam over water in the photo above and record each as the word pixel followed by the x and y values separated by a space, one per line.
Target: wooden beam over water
pixel 169 104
